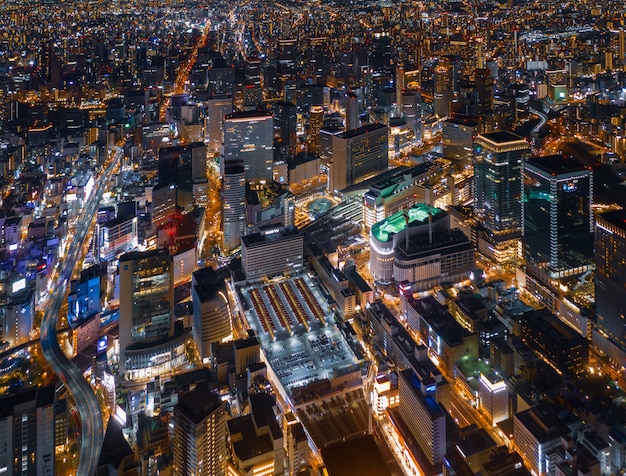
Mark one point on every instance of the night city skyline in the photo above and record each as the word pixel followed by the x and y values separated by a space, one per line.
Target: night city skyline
pixel 327 238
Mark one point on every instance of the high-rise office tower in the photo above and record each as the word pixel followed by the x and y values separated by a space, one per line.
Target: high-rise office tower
pixel 200 434
pixel 358 155
pixel 352 111
pixel 316 122
pixel 146 284
pixel 185 166
pixel 557 214
pixel 442 91
pixel 610 251
pixel 285 121
pixel 484 84
pixel 411 103
pixel 217 108
pixel 233 204
pixel 498 158
pixel 27 432
pixel 221 78
pixel 423 415
pixel 248 136
pixel 211 310
pixel 252 91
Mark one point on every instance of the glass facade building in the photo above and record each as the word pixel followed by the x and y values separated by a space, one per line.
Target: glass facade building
pixel 557 213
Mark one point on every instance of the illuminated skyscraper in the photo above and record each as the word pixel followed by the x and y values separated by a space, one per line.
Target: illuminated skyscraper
pixel 358 155
pixel 233 204
pixel 217 108
pixel 498 160
pixel 352 111
pixel 200 434
pixel 146 283
pixel 316 122
pixel 610 251
pixel 285 121
pixel 557 214
pixel 442 91
pixel 411 103
pixel 248 136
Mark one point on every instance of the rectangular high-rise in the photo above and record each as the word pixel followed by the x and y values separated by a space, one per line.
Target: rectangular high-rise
pixel 557 213
pixel 423 415
pixel 146 283
pixel 610 255
pixel 498 158
pixel 358 155
pixel 200 434
pixel 27 432
pixel 249 136
pixel 217 109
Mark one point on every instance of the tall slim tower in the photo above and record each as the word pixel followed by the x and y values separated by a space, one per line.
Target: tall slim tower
pixel 411 102
pixel 442 91
pixel 352 111
pixel 233 204
pixel 498 160
pixel 200 434
pixel 316 122
pixel 610 251
pixel 217 108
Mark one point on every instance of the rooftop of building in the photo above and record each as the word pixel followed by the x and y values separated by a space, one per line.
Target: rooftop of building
pixel 115 447
pixel 418 214
pixel 274 233
pixel 32 397
pixel 474 440
pixel 247 115
pixel 616 218
pixel 207 283
pixel 555 164
pixel 301 349
pixel 366 129
pixel 542 422
pixel 199 403
pixel 502 137
pixel 429 401
pixel 445 242
pixel 555 329
pixel 246 443
pixel 262 408
pixel 462 121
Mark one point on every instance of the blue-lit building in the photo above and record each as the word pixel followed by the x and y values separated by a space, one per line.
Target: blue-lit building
pixel 83 300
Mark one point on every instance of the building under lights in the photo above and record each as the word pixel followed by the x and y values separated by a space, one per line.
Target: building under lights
pixel 249 137
pixel 358 155
pixel 498 158
pixel 388 234
pixel 493 397
pixel 400 191
pixel 199 421
pixel 272 251
pixel 557 216
pixel 423 416
pixel 211 311
pixel 148 343
pixel 557 343
pixel 610 245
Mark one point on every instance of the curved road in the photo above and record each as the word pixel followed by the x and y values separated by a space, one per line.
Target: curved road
pixel 92 431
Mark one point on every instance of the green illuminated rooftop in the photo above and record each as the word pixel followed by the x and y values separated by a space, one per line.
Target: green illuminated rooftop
pixel 384 230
